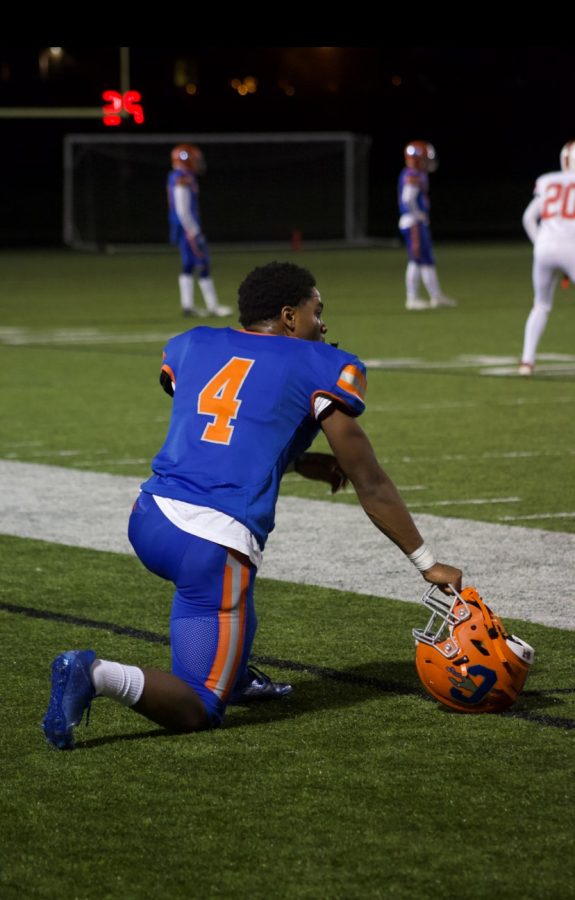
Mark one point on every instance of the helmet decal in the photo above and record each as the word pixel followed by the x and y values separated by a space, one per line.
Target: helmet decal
pixel 465 683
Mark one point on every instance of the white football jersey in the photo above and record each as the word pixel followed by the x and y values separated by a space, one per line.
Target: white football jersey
pixel 553 206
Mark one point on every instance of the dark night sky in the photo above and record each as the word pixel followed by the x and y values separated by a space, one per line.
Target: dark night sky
pixel 497 116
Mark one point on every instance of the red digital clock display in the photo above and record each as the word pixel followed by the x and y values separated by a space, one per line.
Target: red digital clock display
pixel 116 104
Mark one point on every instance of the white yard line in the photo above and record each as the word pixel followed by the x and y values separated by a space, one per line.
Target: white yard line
pixel 18 337
pixel 523 572
pixel 548 371
pixel 548 364
pixel 511 454
pixel 470 501
pixel 537 516
pixel 398 408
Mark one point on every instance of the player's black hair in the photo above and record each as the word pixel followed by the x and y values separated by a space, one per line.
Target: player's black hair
pixel 267 289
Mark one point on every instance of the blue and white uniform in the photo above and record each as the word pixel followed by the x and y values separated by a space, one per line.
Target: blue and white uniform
pixel 246 405
pixel 413 201
pixel 184 221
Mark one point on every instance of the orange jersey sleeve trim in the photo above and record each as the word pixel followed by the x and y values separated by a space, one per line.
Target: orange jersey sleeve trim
pixel 353 381
pixel 335 397
pixel 166 368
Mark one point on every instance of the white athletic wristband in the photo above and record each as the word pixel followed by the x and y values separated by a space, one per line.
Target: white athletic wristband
pixel 422 558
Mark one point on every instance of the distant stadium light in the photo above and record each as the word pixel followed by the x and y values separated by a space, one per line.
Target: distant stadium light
pixel 248 86
pixel 50 58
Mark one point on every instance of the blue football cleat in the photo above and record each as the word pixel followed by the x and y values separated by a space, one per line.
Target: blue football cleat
pixel 255 685
pixel 72 693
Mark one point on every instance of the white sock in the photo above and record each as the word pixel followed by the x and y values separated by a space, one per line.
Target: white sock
pixel 112 679
pixel 412 280
pixel 534 328
pixel 431 282
pixel 209 293
pixel 186 283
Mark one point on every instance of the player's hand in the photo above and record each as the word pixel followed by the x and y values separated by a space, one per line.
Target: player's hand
pixel 197 245
pixel 322 467
pixel 443 575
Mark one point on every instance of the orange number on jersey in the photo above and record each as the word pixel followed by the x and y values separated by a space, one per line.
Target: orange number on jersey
pixel 219 398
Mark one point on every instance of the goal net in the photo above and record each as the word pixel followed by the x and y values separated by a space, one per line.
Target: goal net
pixel 258 188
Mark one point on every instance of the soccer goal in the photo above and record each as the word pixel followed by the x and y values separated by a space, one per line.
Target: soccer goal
pixel 258 188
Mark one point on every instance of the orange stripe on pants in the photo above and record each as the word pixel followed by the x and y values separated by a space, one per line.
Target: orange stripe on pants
pixel 231 624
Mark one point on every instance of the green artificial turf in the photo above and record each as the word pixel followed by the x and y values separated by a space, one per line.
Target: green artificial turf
pixel 357 786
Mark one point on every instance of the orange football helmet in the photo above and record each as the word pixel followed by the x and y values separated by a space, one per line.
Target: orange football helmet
pixel 568 157
pixel 421 155
pixel 190 157
pixel 465 658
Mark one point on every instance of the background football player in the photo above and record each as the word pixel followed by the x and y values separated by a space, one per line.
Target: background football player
pixel 549 220
pixel 413 198
pixel 185 230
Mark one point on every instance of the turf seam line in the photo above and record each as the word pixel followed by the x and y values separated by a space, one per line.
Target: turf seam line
pixel 322 671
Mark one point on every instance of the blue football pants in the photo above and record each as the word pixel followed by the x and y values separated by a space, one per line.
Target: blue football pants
pixel 213 620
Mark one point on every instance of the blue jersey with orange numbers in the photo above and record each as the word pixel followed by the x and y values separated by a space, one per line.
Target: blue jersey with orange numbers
pixel 421 181
pixel 245 408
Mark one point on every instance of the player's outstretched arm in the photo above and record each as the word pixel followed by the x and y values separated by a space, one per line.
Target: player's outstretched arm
pixel 377 493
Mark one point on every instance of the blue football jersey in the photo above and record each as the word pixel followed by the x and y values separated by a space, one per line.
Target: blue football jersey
pixel 421 181
pixel 189 180
pixel 243 410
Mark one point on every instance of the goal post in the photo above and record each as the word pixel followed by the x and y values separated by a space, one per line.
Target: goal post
pixel 258 188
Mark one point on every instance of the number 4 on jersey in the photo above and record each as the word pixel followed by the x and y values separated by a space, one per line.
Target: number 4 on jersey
pixel 219 398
